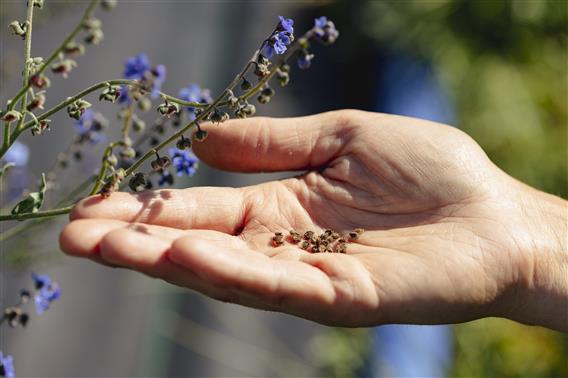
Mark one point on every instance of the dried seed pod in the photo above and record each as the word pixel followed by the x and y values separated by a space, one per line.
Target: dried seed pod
pixel 335 236
pixel 315 249
pixel 304 244
pixel 308 235
pixel 341 248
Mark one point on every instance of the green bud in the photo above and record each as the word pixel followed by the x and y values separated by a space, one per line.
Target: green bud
pixel 200 135
pixel 144 104
pixel 108 4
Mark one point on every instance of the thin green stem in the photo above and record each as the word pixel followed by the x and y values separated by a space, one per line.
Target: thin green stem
pixel 37 214
pixel 27 226
pixel 27 58
pixel 88 12
pixel 181 102
pixel 104 166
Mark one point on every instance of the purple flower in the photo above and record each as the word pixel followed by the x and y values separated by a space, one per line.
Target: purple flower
pixel 184 161
pixel 7 366
pixel 18 154
pixel 135 67
pixel 286 24
pixel 47 291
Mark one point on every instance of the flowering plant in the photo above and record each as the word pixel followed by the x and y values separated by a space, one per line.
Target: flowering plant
pixel 125 160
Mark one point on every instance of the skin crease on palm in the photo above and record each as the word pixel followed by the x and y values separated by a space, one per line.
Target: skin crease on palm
pixel 449 236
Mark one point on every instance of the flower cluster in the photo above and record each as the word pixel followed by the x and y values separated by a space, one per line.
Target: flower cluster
pixel 279 41
pixel 151 78
pixel 7 366
pixel 44 292
pixel 184 161
pixel 47 291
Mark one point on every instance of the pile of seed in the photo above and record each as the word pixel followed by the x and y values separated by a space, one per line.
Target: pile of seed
pixel 328 241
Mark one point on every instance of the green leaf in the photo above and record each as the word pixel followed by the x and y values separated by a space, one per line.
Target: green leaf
pixel 32 203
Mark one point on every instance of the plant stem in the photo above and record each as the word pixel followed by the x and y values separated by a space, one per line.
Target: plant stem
pixel 38 214
pixel 203 115
pixel 88 12
pixel 27 58
pixel 27 226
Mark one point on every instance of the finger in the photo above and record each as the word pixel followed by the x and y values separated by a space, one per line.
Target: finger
pixel 82 237
pixel 220 209
pixel 275 144
pixel 287 285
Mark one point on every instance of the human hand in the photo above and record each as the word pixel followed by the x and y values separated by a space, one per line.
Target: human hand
pixel 449 236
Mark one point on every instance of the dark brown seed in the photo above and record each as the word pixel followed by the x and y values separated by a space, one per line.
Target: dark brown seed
pixel 308 235
pixel 353 235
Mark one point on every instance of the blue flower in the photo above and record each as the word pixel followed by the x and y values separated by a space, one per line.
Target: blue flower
pixel 135 67
pixel 47 291
pixel 7 366
pixel 305 60
pixel 139 68
pixel 320 22
pixel 286 24
pixel 184 161
pixel 45 296
pixel 18 154
pixel 41 280
pixel 325 30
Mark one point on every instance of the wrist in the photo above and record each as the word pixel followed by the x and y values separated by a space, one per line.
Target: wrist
pixel 539 294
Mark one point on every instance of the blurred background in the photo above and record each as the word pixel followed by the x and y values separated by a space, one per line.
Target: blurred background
pixel 495 69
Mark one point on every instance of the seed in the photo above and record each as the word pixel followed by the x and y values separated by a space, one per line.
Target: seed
pixel 308 235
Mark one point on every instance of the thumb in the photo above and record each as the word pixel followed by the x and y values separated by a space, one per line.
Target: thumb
pixel 263 144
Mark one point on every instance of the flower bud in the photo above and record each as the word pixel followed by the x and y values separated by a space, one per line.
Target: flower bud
pixel 40 81
pixel 18 28
pixel 94 37
pixel 183 143
pixel 11 116
pixel 74 49
pixel 111 160
pixel 144 104
pixel 111 93
pixel 38 3
pixel 40 127
pixel 77 108
pixel 128 153
pixel 200 135
pixel 160 162
pixel 108 4
pixel 138 182
pixel 138 125
pixel 92 24
pixel 37 102
pixel 245 84
pixel 261 70
pixel 168 109
pixel 283 77
pixel 304 59
pixel 219 116
pixel 63 67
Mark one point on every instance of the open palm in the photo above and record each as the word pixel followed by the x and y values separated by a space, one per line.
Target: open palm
pixel 439 225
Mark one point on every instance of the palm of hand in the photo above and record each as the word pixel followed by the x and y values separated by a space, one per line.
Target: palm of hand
pixel 423 193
